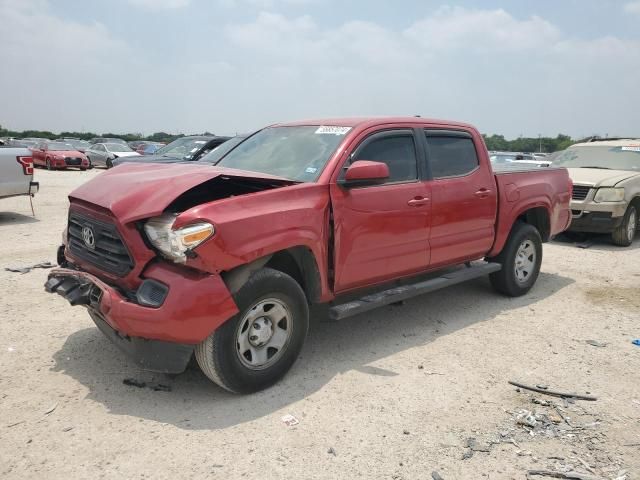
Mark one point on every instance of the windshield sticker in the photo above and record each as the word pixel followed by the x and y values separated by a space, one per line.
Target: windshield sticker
pixel 631 148
pixel 311 170
pixel 329 130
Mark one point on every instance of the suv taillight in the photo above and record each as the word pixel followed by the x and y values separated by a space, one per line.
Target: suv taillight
pixel 27 164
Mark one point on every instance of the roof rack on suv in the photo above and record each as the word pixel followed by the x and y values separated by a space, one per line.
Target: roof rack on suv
pixel 596 138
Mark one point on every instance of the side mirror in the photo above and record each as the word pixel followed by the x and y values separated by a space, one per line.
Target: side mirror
pixel 365 172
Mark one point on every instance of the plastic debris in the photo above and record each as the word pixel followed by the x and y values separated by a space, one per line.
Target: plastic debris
pixel 636 341
pixel 24 270
pixel 290 420
pixel 525 417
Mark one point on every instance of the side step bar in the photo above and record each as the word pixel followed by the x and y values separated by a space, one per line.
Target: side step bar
pixel 397 294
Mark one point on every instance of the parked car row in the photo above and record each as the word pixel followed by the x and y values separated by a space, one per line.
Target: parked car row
pixel 519 158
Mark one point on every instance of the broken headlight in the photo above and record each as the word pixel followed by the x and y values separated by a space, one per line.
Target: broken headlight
pixel 175 244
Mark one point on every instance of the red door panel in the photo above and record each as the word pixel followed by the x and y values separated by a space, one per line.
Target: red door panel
pixel 463 217
pixel 381 232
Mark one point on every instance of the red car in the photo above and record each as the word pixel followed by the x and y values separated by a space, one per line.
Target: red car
pixel 56 155
pixel 223 262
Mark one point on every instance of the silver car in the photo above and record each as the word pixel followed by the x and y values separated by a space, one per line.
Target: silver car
pixel 103 154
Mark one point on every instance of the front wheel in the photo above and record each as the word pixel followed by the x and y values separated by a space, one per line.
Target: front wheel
pixel 49 164
pixel 626 232
pixel 521 258
pixel 109 163
pixel 256 348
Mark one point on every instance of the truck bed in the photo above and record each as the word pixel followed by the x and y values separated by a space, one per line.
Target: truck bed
pixel 523 187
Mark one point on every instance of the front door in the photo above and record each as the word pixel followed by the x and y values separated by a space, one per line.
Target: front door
pixel 382 231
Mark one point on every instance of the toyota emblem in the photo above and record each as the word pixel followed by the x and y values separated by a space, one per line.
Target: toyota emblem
pixel 89 237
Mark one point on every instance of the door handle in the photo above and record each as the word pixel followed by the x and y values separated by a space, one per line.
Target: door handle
pixel 483 193
pixel 418 201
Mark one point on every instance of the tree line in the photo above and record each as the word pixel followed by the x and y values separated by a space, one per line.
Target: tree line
pixel 163 137
pixel 529 144
pixel 493 142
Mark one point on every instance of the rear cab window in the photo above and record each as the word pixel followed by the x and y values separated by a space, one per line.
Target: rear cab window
pixel 450 153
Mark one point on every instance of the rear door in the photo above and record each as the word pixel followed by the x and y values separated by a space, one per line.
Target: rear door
pixel 464 197
pixel 382 231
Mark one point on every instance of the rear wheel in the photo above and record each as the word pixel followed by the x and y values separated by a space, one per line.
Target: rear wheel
pixel 521 258
pixel 626 232
pixel 256 348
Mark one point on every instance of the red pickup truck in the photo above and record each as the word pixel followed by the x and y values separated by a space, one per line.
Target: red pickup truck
pixel 224 261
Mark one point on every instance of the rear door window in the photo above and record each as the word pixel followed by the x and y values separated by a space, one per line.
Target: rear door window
pixel 451 155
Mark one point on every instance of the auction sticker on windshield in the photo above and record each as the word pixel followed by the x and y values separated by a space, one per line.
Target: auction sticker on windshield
pixel 329 130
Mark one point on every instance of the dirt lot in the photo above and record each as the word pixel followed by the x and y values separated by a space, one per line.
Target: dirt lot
pixel 395 394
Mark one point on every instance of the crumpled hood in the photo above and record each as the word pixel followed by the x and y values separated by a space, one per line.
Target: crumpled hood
pixel 596 177
pixel 136 191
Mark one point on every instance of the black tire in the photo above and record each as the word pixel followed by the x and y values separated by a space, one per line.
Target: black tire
pixel 109 163
pixel 512 280
pixel 626 232
pixel 49 167
pixel 89 160
pixel 219 355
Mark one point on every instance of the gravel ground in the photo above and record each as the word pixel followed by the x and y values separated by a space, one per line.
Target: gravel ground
pixel 394 394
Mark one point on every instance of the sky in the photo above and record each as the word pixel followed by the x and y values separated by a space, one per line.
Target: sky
pixel 225 66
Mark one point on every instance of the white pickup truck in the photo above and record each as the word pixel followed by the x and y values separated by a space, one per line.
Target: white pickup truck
pixel 16 172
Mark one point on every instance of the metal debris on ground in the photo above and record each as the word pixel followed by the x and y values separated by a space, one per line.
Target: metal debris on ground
pixel 331 451
pixel 552 392
pixel 596 343
pixel 290 420
pixel 156 387
pixel 567 475
pixel 436 476
pixel 24 270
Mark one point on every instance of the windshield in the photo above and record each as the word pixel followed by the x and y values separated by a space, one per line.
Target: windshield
pixel 117 147
pixel 296 153
pixel 59 146
pixel 215 155
pixel 183 147
pixel 616 158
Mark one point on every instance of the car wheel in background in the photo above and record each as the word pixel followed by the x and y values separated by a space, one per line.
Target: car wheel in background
pixel 521 258
pixel 626 232
pixel 109 163
pixel 49 164
pixel 256 348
